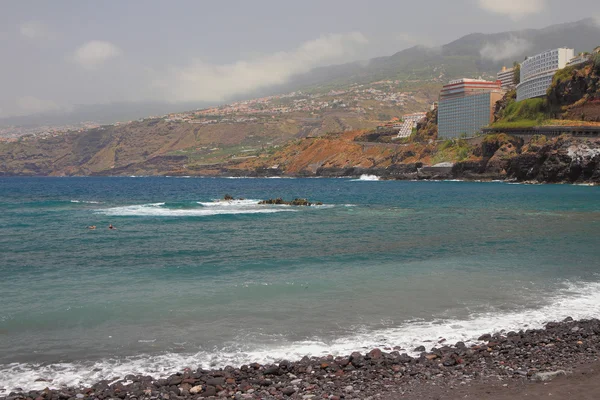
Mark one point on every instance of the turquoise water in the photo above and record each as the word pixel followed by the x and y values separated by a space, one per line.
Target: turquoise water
pixel 187 281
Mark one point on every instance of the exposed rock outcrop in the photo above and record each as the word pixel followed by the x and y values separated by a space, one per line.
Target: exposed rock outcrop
pixel 295 202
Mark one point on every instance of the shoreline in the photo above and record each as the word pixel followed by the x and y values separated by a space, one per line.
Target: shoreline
pixel 351 177
pixel 497 365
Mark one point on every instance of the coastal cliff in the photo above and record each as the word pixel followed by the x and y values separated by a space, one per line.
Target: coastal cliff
pixel 494 157
pixel 158 147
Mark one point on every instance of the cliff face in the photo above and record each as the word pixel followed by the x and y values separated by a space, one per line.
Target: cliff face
pixel 428 128
pixel 575 92
pixel 502 157
pixel 559 160
pixel 337 155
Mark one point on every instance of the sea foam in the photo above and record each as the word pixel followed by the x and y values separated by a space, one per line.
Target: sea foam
pixel 577 300
pixel 202 209
pixel 368 178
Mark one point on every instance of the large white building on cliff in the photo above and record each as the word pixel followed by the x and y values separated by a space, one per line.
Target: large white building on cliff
pixel 537 72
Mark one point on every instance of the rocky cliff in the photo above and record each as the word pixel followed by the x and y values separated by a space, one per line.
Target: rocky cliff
pixel 494 157
pixel 575 92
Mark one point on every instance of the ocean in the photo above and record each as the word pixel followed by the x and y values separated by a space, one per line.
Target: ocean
pixel 187 281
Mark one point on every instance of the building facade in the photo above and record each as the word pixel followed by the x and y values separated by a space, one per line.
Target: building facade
pixel 537 72
pixel 467 105
pixel 507 77
pixel 580 59
pixel 410 122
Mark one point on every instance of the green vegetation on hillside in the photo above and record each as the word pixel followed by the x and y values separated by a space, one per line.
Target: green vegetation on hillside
pixel 523 114
pixel 452 150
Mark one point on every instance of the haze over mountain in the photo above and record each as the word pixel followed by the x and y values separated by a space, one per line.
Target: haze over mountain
pixel 470 56
pixel 473 55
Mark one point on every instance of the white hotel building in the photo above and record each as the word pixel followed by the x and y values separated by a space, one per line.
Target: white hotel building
pixel 537 72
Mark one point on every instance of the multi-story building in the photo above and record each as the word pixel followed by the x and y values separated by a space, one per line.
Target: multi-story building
pixel 507 77
pixel 466 106
pixel 537 72
pixel 410 122
pixel 580 59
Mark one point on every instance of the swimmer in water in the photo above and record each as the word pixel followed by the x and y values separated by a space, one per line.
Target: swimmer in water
pixel 92 227
pixel 111 227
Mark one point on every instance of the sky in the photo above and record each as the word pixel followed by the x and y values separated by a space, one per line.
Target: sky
pixel 62 53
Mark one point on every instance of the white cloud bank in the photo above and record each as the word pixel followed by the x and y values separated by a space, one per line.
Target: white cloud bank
pixel 200 81
pixel 95 53
pixel 505 50
pixel 515 9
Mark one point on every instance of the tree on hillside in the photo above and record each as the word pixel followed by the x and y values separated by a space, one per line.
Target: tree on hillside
pixel 517 72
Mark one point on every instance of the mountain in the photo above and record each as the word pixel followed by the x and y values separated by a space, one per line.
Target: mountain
pixel 473 55
pixel 202 143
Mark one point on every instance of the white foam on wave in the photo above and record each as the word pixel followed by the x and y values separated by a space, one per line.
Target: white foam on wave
pixel 207 209
pixel 368 178
pixel 85 201
pixel 229 203
pixel 577 300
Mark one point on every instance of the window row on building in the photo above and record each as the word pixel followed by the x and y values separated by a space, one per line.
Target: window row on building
pixel 537 72
pixel 464 115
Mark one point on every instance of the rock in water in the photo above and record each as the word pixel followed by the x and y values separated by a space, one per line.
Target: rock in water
pixel 295 202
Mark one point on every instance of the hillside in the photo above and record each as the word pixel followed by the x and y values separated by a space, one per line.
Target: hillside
pixel 249 134
pixel 473 55
pixel 159 146
pixel 494 157
pixel 573 99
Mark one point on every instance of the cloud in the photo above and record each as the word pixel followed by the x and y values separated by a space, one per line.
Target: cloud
pixel 34 105
pixel 95 53
pixel 201 81
pixel 509 49
pixel 34 30
pixel 515 9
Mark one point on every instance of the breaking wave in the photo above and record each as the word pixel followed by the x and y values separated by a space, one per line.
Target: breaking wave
pixel 577 300
pixel 202 209
pixel 368 178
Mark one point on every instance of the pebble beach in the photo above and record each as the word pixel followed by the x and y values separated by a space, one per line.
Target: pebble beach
pixel 496 365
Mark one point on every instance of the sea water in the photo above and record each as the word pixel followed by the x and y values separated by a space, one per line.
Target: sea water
pixel 187 281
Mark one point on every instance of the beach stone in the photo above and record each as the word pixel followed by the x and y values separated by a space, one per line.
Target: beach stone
pixel 210 391
pixel 273 370
pixel 215 381
pixel 375 354
pixel 357 360
pixel 196 389
pixel 420 349
pixel 288 391
pixel 284 364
